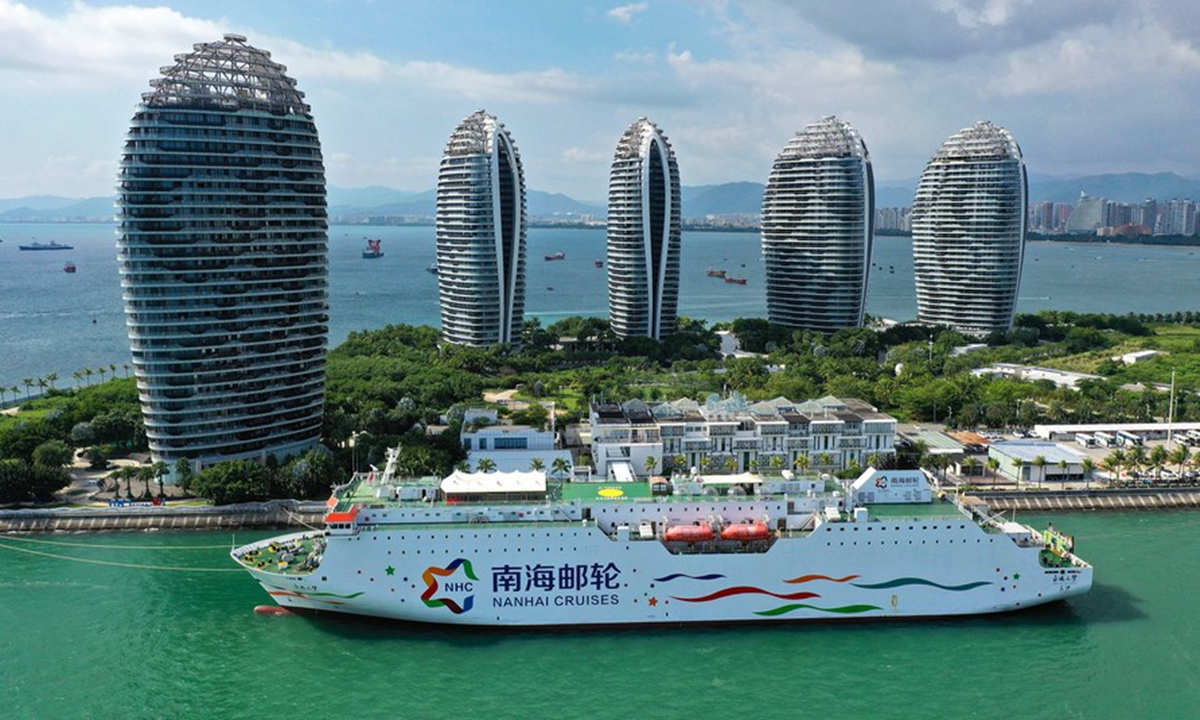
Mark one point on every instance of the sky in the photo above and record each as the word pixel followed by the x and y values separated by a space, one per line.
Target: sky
pixel 1086 86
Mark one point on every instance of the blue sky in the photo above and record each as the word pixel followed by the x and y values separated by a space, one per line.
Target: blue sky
pixel 1085 85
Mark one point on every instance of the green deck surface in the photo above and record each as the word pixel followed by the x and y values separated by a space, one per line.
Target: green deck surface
pixel 589 492
pixel 936 510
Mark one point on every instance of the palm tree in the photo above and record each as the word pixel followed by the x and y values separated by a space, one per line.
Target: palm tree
pixel 993 465
pixel 801 463
pixel 1179 457
pixel 127 368
pixel 3 394
pixel 1062 470
pixel 731 464
pixel 42 385
pixel 1135 457
pixel 146 475
pixel 826 459
pixel 1088 466
pixel 485 465
pixel 1039 462
pixel 14 390
pixel 1020 464
pixel 969 464
pixel 51 379
pixel 876 460
pixel 651 463
pixel 1157 458
pixel 112 369
pixel 102 370
pixel 680 462
pixel 537 464
pixel 560 466
pixel 78 377
pixel 776 463
pixel 28 383
pixel 88 372
pixel 160 470
pixel 1115 461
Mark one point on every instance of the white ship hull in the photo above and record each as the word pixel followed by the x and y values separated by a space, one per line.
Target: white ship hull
pixel 578 574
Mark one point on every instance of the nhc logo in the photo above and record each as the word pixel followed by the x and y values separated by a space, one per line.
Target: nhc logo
pixel 881 482
pixel 430 577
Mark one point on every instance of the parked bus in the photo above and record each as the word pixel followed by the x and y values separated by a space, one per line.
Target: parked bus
pixel 1085 440
pixel 1104 439
pixel 1128 439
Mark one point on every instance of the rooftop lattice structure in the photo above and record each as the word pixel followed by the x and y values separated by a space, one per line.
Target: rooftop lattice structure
pixel 828 137
pixel 228 75
pixel 983 140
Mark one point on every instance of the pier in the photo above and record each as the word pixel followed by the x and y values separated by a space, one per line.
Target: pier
pixel 276 513
pixel 1059 500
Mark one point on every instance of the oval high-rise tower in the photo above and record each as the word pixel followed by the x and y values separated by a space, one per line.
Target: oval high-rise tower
pixel 223 244
pixel 968 228
pixel 481 235
pixel 644 233
pixel 818 219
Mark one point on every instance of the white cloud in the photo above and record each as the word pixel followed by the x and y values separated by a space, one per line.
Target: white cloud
pixel 632 56
pixel 624 14
pixel 575 155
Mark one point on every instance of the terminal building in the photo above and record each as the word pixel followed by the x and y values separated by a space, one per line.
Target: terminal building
pixel 732 435
pixel 1032 461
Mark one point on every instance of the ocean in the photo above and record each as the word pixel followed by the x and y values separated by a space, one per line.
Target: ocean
pixel 51 321
pixel 79 639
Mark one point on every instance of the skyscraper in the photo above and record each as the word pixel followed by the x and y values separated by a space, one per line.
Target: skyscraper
pixel 223 245
pixel 644 233
pixel 969 231
pixel 481 235
pixel 818 220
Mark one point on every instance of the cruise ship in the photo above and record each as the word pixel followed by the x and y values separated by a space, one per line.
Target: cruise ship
pixel 522 549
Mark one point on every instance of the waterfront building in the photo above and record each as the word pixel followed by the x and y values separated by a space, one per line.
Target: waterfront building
pixel 644 233
pixel 223 258
pixel 1035 461
pixel 733 435
pixel 968 227
pixel 817 226
pixel 481 235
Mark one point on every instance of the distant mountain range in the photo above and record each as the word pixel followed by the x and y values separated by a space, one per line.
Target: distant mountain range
pixel 699 201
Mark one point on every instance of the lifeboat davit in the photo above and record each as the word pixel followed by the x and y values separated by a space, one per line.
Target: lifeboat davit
pixel 745 532
pixel 689 533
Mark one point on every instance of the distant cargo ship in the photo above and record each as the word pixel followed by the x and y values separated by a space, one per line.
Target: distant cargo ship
pixel 711 272
pixel 516 549
pixel 373 250
pixel 69 267
pixel 560 255
pixel 46 246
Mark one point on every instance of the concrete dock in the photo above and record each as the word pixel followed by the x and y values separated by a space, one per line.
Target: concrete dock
pixel 277 513
pixel 1059 500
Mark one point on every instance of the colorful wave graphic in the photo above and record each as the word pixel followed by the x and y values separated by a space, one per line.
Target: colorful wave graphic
pixel 810 578
pixel 901 582
pixel 430 577
pixel 843 610
pixel 747 590
pixel 676 576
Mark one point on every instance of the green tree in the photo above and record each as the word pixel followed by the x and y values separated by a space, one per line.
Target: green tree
pixel 234 482
pixel 1156 458
pixel 776 463
pixel 560 467
pixel 731 464
pixel 1088 466
pixel 1039 462
pixel 53 454
pixel 651 464
pixel 28 383
pixel 1179 457
pixel 183 474
pixel 969 464
pixel 22 482
pixel 88 372
pixel 485 465
pixel 160 470
pixel 801 463
pixel 537 464
pixel 993 465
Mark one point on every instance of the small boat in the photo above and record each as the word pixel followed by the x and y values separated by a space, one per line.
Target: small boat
pixel 69 267
pixel 45 246
pixel 735 281
pixel 550 288
pixel 560 255
pixel 599 263
pixel 715 273
pixel 432 269
pixel 373 250
pixel 689 533
pixel 746 532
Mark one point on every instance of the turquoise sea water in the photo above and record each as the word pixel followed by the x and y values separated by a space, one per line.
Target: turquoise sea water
pixel 54 322
pixel 86 640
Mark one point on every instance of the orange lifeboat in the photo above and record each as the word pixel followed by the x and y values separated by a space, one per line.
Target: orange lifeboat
pixel 689 533
pixel 745 532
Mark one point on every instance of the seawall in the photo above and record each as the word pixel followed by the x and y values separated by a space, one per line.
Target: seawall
pixel 1125 499
pixel 276 513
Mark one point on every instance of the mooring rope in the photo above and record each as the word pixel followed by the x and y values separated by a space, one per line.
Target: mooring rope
pixel 131 566
pixel 114 547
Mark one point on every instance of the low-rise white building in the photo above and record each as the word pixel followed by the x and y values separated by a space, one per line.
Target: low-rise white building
pixel 1019 459
pixel 732 434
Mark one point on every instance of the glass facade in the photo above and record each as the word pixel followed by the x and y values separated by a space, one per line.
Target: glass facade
pixel 222 243
pixel 818 222
pixel 968 228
